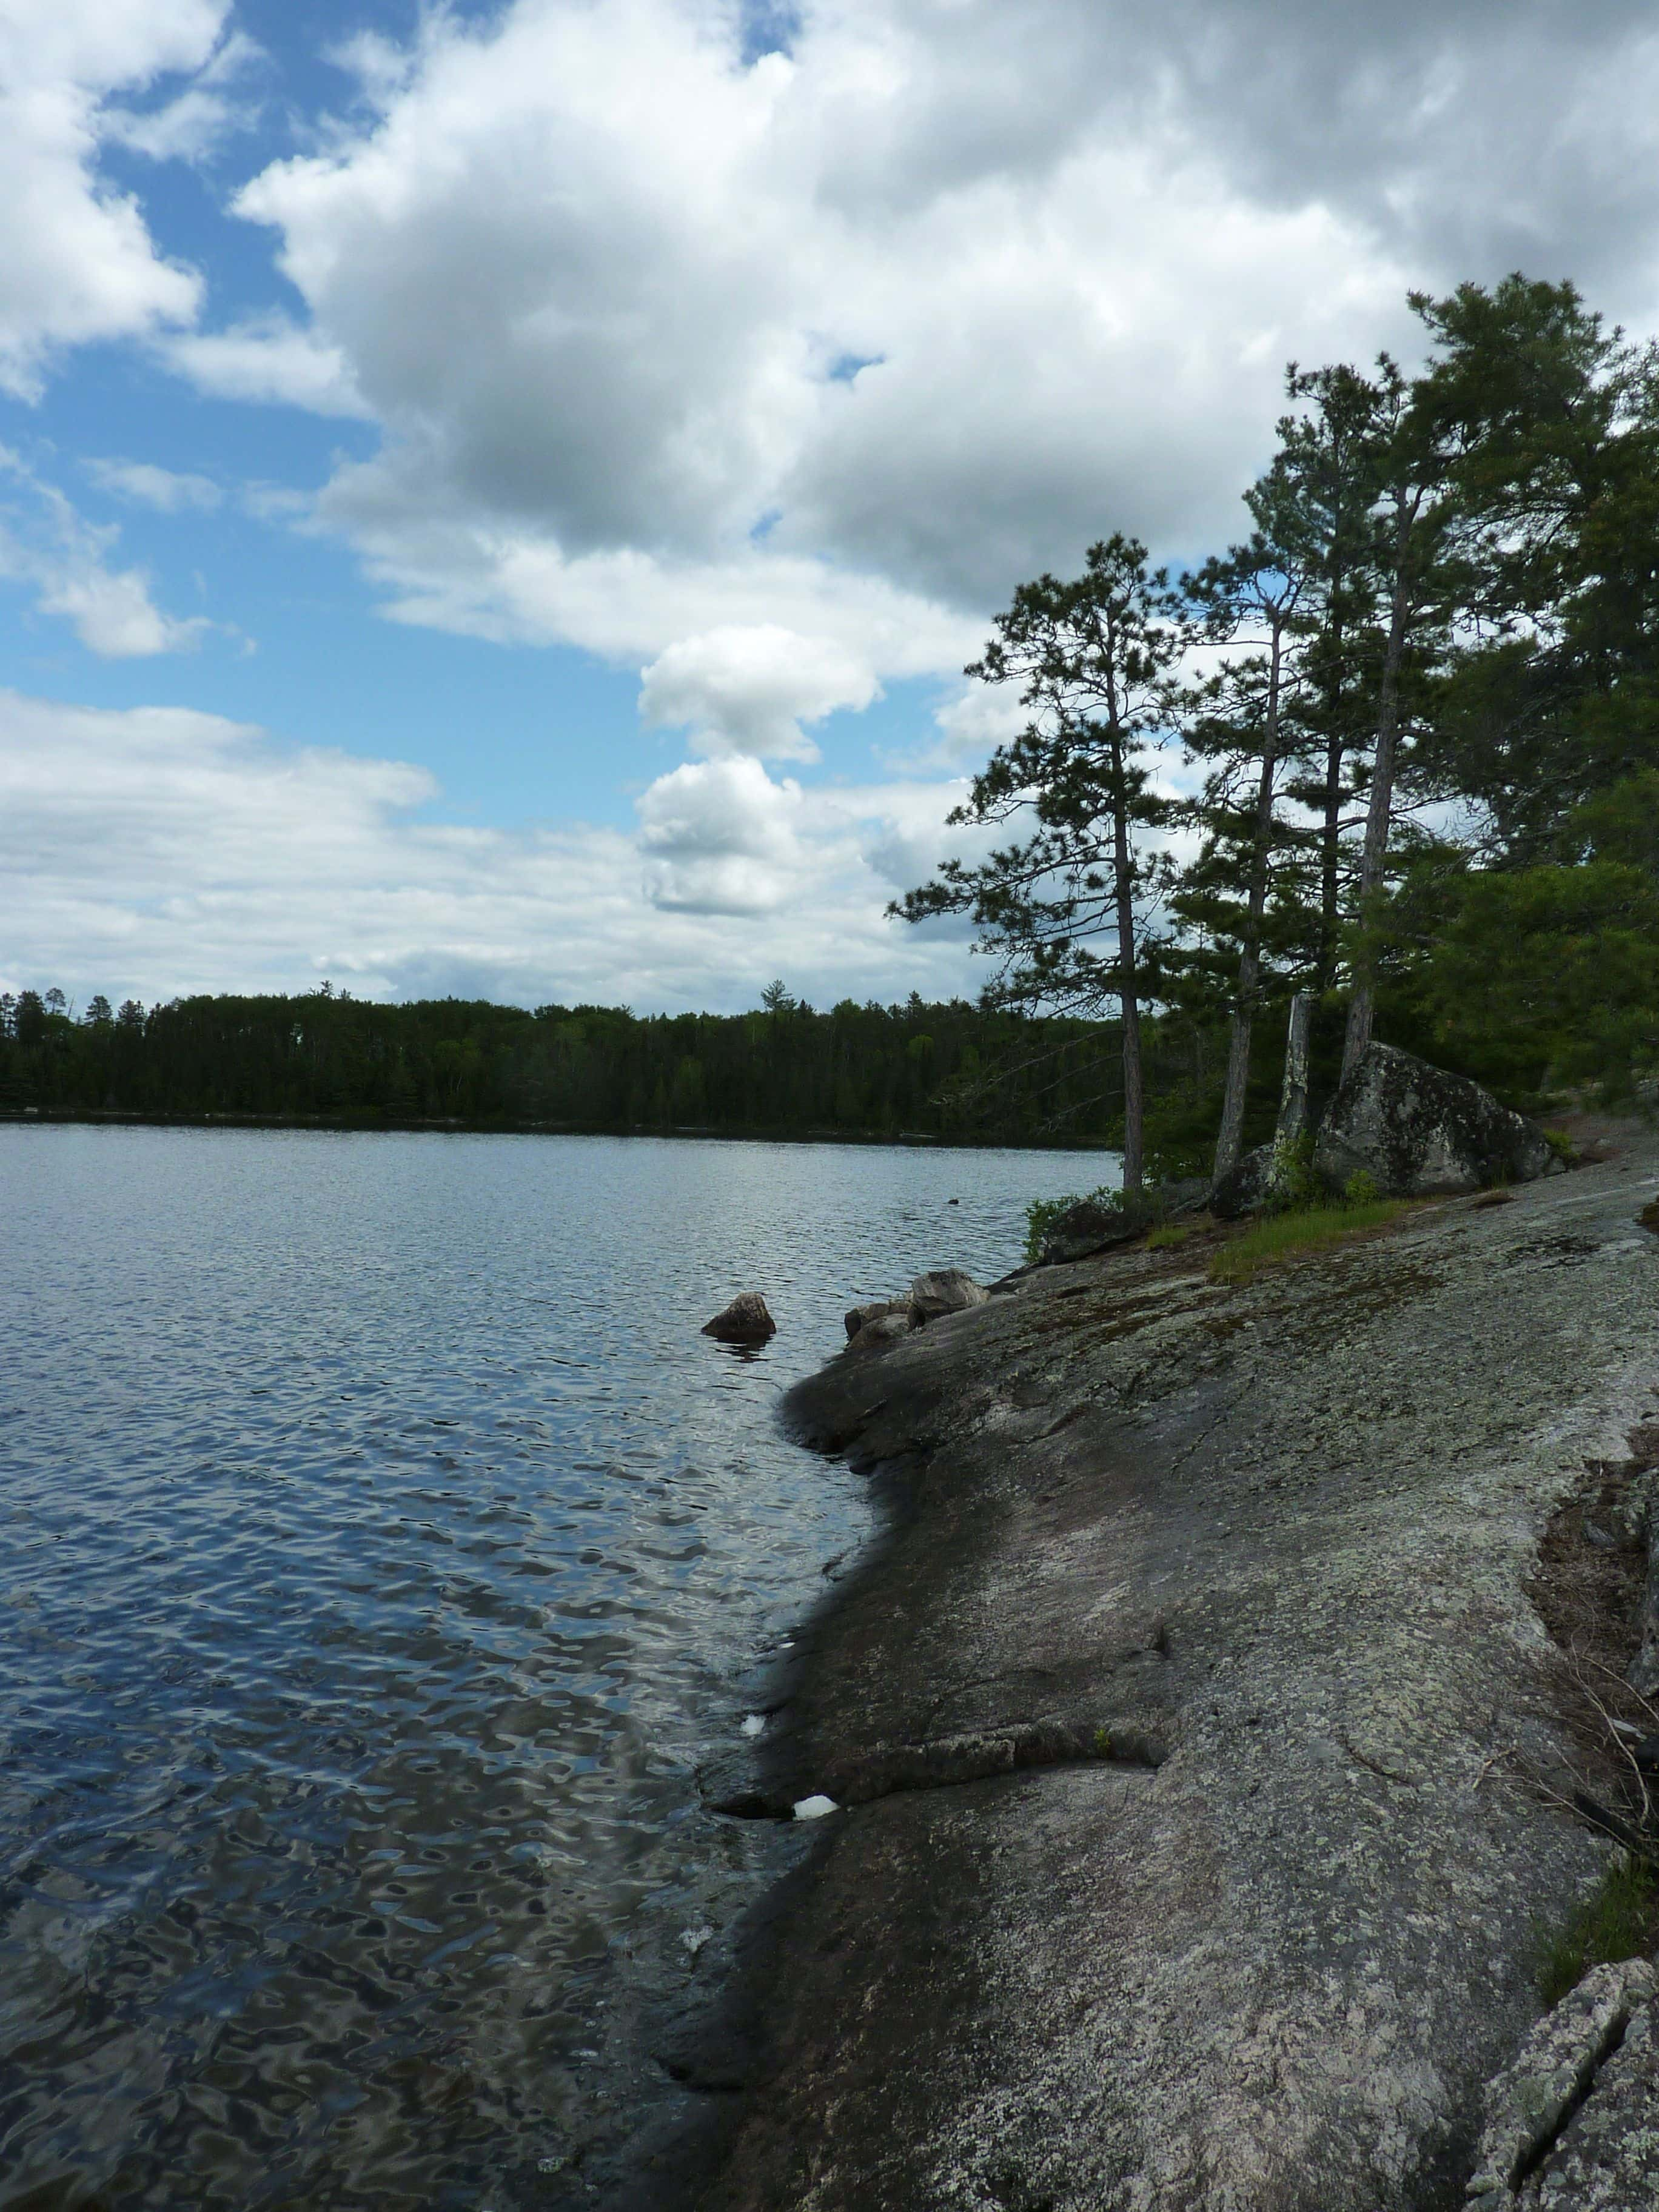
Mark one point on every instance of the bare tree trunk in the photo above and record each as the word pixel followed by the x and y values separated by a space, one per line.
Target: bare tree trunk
pixel 1293 1096
pixel 1330 857
pixel 1232 1137
pixel 1129 998
pixel 1380 812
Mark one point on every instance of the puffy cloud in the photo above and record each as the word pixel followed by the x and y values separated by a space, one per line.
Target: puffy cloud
pixel 158 851
pixel 76 261
pixel 747 689
pixel 197 121
pixel 165 490
pixel 46 545
pixel 267 357
pixel 915 307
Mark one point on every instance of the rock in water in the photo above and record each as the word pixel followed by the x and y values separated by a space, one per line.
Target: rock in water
pixel 947 1291
pixel 1418 1130
pixel 745 1321
pixel 886 1328
pixel 857 1317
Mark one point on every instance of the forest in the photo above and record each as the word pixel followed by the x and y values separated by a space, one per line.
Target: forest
pixel 1397 748
pixel 952 1071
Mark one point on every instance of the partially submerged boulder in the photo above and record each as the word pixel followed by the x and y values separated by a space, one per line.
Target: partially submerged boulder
pixel 1418 1131
pixel 947 1291
pixel 886 1328
pixel 745 1321
pixel 857 1317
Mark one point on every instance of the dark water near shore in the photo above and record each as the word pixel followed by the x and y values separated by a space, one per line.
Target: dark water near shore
pixel 380 1548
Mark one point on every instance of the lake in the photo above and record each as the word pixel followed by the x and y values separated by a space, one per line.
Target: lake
pixel 383 1548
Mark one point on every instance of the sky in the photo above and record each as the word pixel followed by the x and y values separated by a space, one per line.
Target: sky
pixel 497 499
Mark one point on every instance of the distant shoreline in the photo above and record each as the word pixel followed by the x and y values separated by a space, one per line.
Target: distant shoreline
pixel 363 1124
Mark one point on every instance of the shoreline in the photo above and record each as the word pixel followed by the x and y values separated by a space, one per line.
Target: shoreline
pixel 31 1117
pixel 1263 1552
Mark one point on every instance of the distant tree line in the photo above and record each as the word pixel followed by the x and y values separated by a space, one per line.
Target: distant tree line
pixel 954 1070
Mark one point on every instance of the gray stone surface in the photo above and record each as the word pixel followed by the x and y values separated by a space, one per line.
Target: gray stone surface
pixel 1531 2102
pixel 859 1316
pixel 946 1291
pixel 1243 1189
pixel 1418 1130
pixel 1608 2157
pixel 1284 1532
pixel 1087 1227
pixel 882 1330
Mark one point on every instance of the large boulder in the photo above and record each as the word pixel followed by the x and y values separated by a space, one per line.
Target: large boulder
pixel 1418 1131
pixel 947 1291
pixel 745 1321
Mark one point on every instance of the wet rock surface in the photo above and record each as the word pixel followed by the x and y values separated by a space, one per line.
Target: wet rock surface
pixel 1417 1130
pixel 1279 1537
pixel 745 1321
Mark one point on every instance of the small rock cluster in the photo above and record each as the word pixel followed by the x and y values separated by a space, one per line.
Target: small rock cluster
pixel 882 1321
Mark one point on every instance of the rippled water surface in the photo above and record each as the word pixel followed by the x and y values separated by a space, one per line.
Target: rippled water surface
pixel 381 1547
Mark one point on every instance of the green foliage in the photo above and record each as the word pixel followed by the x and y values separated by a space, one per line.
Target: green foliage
pixel 1563 1146
pixel 1282 1237
pixel 1362 1189
pixel 1545 975
pixel 1618 1920
pixel 1169 1238
pixel 1296 1182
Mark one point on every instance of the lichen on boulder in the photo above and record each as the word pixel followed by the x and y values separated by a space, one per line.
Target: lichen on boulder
pixel 1419 1131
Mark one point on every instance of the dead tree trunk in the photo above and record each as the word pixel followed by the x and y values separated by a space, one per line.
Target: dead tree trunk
pixel 1230 1141
pixel 1128 993
pixel 1380 812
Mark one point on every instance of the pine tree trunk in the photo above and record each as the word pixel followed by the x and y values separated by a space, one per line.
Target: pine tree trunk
pixel 1380 812
pixel 1230 1140
pixel 1128 995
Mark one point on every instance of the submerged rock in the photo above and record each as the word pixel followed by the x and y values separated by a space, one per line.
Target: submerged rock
pixel 745 1321
pixel 948 1289
pixel 1418 1130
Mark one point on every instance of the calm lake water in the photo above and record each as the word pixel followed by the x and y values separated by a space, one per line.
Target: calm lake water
pixel 382 1547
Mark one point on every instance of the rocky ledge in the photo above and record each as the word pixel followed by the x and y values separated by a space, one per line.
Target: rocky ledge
pixel 1204 1761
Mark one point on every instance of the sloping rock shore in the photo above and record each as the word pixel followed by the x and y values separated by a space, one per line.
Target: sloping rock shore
pixel 1258 1926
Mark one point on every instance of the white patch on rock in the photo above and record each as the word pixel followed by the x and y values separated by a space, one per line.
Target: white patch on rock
pixel 814 1809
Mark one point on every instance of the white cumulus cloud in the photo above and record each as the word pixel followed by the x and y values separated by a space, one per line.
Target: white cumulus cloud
pixel 158 851
pixel 77 259
pixel 747 688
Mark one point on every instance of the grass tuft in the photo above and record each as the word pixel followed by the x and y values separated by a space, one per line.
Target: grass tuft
pixel 1281 1236
pixel 1166 1239
pixel 1616 1921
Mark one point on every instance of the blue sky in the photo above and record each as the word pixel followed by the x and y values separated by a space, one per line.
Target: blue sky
pixel 499 499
